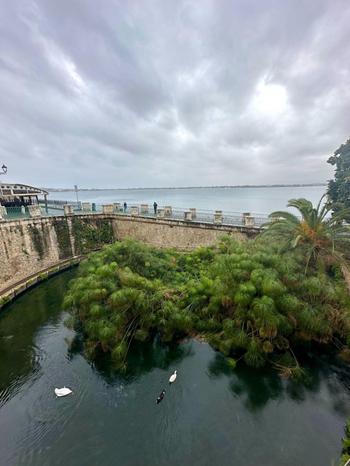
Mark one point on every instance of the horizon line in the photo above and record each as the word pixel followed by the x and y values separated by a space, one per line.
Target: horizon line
pixel 275 185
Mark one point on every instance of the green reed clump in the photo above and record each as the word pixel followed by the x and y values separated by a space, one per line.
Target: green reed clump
pixel 249 300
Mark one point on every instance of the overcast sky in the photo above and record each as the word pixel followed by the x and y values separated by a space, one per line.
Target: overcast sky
pixel 172 93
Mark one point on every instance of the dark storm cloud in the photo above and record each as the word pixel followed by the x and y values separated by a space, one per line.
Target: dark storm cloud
pixel 156 93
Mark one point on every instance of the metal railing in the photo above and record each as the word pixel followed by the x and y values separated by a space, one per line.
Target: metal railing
pixel 58 208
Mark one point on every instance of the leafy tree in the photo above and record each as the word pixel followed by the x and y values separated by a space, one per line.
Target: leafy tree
pixel 339 188
pixel 248 300
pixel 315 231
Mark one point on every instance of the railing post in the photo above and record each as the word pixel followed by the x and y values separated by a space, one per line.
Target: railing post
pixel 188 215
pixel 249 221
pixel 218 217
pixel 144 209
pixel 68 209
pixel 86 206
pixel 107 209
pixel 134 210
pixel 34 210
pixel 116 206
pixel 168 211
pixel 244 215
pixel 193 211
pixel 3 212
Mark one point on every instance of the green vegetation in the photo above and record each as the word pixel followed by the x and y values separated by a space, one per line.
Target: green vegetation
pixel 90 235
pixel 259 301
pixel 63 239
pixel 346 445
pixel 339 188
pixel 323 238
pixel 38 239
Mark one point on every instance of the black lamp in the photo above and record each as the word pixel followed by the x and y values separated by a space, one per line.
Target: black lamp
pixel 4 170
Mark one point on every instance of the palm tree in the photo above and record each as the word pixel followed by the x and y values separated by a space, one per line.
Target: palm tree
pixel 319 234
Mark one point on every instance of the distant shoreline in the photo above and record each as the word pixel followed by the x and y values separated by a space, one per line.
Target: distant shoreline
pixel 307 185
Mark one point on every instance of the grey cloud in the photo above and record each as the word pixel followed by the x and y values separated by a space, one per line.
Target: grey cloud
pixel 126 93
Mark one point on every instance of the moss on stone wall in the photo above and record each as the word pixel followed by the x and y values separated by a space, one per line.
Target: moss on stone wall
pixel 90 234
pixel 38 239
pixel 63 238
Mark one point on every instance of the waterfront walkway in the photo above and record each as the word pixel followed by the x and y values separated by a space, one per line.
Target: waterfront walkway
pixel 57 208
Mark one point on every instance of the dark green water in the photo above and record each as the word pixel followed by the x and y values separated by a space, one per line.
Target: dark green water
pixel 210 416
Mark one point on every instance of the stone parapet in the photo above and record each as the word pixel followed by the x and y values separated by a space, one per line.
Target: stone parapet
pixel 34 210
pixel 86 206
pixel 249 221
pixel 218 217
pixel 68 209
pixel 168 211
pixel 108 209
pixel 134 210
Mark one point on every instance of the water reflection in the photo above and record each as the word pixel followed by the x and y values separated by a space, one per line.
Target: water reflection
pixel 259 386
pixel 143 358
pixel 20 323
pixel 211 415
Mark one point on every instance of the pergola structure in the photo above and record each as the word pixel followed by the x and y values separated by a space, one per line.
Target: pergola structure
pixel 15 195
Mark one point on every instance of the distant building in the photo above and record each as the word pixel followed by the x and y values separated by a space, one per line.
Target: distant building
pixel 15 195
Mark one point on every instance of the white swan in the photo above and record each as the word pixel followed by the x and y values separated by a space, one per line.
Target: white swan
pixel 63 391
pixel 173 377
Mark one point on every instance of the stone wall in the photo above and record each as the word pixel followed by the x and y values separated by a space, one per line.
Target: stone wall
pixel 28 246
pixel 175 233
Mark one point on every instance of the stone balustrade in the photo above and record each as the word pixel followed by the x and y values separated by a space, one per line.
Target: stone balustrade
pixel 86 206
pixel 34 210
pixel 3 212
pixel 108 209
pixel 144 209
pixel 168 211
pixel 134 210
pixel 218 217
pixel 249 221
pixel 68 209
pixel 188 215
pixel 193 211
pixel 161 213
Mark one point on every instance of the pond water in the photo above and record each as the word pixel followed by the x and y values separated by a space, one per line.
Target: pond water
pixel 210 416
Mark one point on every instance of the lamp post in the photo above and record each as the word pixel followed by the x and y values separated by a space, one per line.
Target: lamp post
pixel 3 170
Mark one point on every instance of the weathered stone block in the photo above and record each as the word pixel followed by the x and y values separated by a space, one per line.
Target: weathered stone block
pixel 144 209
pixel 68 209
pixel 86 206
pixel 244 215
pixel 218 217
pixel 188 215
pixel 249 221
pixel 168 211
pixel 193 211
pixel 34 210
pixel 3 212
pixel 108 209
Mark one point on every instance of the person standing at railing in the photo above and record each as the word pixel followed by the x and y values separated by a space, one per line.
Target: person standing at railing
pixel 125 206
pixel 155 207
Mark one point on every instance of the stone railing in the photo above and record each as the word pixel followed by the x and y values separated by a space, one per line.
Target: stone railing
pixel 218 217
